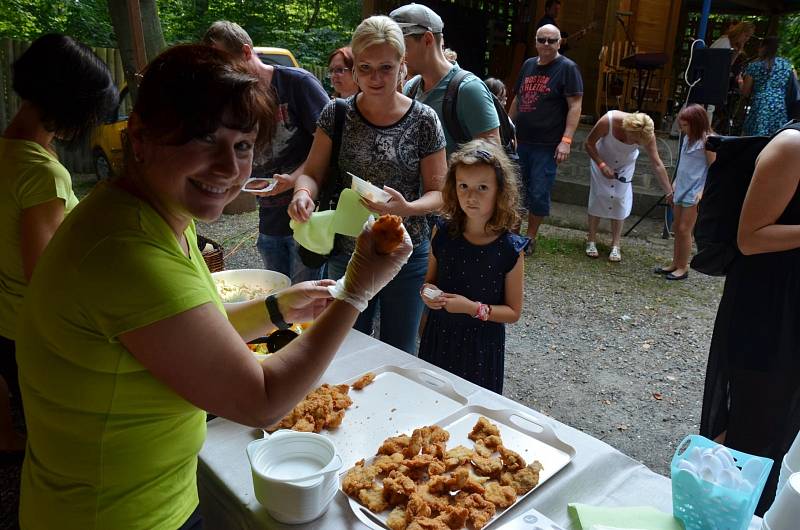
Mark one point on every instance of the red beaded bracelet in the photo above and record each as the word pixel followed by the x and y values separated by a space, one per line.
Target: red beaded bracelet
pixel 483 312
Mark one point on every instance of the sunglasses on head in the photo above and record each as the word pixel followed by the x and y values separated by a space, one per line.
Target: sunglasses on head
pixel 545 40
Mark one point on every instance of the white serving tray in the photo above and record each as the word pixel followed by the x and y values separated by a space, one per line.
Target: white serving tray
pixel 398 400
pixel 530 435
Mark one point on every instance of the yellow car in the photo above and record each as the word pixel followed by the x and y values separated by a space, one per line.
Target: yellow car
pixel 279 56
pixel 107 137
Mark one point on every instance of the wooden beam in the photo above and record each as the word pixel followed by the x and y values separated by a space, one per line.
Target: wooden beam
pixel 137 34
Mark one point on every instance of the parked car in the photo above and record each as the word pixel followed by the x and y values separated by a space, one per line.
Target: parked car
pixel 107 137
pixel 279 56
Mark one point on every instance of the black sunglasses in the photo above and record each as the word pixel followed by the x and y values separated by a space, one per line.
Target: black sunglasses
pixel 543 40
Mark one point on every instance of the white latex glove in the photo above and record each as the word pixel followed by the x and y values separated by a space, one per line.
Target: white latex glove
pixel 368 272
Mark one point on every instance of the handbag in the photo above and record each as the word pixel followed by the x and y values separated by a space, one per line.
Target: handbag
pixel 332 187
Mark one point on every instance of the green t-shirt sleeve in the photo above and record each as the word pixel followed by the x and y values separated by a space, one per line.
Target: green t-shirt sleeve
pixel 133 282
pixel 476 107
pixel 42 183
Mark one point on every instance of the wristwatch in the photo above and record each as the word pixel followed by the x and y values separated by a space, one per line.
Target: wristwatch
pixel 275 313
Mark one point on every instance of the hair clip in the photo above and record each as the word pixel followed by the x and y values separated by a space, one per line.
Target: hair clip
pixel 486 156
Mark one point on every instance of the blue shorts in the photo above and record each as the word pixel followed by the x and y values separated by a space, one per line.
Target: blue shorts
pixel 538 172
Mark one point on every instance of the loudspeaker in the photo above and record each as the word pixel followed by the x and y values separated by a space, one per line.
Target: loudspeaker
pixel 712 66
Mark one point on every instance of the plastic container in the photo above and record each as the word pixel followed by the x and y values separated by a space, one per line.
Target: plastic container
pixel 784 514
pixel 703 505
pixel 294 474
pixel 783 476
pixel 241 285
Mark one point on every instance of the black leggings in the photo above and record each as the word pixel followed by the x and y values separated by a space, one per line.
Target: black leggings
pixel 194 522
pixel 8 365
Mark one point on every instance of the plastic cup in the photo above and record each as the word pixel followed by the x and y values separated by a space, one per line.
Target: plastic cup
pixel 294 475
pixel 792 457
pixel 784 475
pixel 784 513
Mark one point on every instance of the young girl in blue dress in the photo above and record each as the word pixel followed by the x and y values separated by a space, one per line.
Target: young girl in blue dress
pixel 475 269
pixel 690 179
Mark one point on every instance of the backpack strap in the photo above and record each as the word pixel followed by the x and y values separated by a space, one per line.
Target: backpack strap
pixel 413 88
pixel 450 109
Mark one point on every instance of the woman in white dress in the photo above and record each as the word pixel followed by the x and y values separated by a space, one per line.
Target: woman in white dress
pixel 613 145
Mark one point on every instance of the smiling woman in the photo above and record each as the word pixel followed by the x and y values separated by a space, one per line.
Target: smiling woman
pixel 123 340
pixel 395 143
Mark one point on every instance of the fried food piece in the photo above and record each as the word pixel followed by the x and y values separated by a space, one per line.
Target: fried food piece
pixel 321 408
pixel 526 478
pixel 492 442
pixel 457 456
pixel 373 499
pixel 435 449
pixel 397 519
pixel 482 450
pixel 418 466
pixel 394 444
pixel 397 488
pixel 499 495
pixel 480 510
pixel 512 461
pixel 387 232
pixel 426 523
pixel 455 517
pixel 488 467
pixel 417 507
pixel 438 484
pixel 359 477
pixel 388 463
pixel 438 503
pixel 437 467
pixel 483 429
pixel 363 381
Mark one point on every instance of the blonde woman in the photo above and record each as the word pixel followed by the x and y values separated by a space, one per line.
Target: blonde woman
pixel 393 142
pixel 613 145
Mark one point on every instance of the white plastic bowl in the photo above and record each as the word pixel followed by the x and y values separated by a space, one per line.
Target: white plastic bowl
pixel 242 285
pixel 294 474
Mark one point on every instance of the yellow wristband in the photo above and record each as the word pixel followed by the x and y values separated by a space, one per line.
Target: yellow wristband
pixel 566 140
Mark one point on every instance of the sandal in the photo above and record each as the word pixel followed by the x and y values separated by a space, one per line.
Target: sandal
pixel 615 256
pixel 591 249
pixel 531 248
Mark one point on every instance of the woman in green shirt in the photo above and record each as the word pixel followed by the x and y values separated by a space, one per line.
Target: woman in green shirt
pixel 65 91
pixel 124 342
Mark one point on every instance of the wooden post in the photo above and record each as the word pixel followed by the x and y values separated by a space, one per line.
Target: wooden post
pixel 135 17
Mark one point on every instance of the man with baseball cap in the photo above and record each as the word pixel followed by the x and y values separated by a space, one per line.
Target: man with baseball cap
pixel 475 112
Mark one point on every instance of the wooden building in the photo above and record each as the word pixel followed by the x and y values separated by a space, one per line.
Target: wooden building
pixel 493 38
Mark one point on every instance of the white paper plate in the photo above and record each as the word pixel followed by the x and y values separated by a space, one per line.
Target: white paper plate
pixel 259 185
pixel 368 190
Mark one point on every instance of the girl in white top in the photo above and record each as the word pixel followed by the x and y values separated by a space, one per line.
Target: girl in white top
pixel 689 182
pixel 613 145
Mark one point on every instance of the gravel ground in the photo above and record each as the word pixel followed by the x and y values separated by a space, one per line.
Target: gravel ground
pixel 610 349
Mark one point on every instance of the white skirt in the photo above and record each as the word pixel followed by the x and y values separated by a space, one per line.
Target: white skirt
pixel 610 198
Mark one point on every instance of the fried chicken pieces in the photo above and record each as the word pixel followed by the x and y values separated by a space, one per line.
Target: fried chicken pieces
pixel 428 487
pixel 323 408
pixel 387 233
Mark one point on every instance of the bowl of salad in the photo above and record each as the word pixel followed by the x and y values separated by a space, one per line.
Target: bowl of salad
pixel 242 285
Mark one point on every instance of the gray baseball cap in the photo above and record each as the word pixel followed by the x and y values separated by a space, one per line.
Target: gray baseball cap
pixel 415 19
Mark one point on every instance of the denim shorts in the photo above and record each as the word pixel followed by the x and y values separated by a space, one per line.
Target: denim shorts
pixel 538 173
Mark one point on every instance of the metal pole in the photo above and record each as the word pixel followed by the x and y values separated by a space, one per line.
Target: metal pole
pixel 701 30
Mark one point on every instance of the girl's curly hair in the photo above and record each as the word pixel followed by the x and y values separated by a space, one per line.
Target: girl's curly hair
pixel 506 211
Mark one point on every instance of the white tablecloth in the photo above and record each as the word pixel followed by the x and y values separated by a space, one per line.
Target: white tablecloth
pixel 597 475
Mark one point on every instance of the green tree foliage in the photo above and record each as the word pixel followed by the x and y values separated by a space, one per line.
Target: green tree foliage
pixel 310 28
pixel 790 39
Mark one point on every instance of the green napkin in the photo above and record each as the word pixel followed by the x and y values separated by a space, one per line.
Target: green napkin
pixel 318 232
pixel 639 517
pixel 350 214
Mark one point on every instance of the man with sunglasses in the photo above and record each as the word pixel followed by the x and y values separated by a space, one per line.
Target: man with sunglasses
pixel 546 110
pixel 432 72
